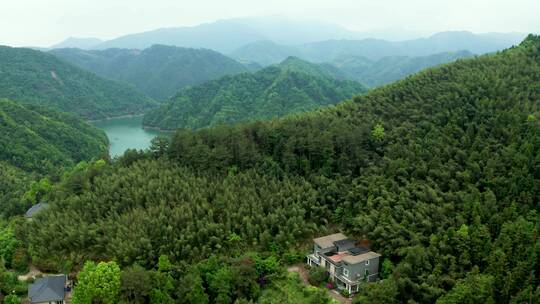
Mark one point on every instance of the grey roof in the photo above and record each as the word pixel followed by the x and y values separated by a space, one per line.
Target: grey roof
pixel 36 208
pixel 328 241
pixel 354 259
pixel 47 289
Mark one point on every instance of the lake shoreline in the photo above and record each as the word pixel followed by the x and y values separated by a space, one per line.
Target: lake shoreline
pixel 157 129
pixel 116 117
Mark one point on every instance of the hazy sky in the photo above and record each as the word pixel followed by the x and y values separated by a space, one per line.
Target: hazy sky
pixel 45 22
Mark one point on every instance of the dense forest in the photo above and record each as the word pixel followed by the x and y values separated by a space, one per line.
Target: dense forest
pixel 37 145
pixel 36 141
pixel 291 87
pixel 36 77
pixel 159 71
pixel 439 172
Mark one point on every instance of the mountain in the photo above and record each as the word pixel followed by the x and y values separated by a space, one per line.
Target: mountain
pixel 35 77
pixel 321 70
pixel 438 173
pixel 227 35
pixel 81 43
pixel 378 72
pixel 291 87
pixel 375 49
pixel 159 71
pixel 264 52
pixel 393 68
pixel 38 141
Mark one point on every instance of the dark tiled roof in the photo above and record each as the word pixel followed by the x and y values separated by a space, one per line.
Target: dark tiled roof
pixel 35 209
pixel 358 250
pixel 47 289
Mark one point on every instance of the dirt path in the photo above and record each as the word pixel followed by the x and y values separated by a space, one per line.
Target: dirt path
pixel 32 273
pixel 304 276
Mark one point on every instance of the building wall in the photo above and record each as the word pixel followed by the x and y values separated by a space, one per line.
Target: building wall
pixel 357 271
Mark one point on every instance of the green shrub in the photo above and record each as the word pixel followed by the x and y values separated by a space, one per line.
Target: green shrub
pixel 317 276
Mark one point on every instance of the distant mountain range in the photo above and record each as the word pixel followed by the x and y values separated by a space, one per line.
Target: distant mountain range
pixel 290 87
pixel 81 43
pixel 35 77
pixel 268 52
pixel 159 71
pixel 315 39
pixel 227 35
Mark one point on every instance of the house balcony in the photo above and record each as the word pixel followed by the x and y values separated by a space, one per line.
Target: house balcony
pixel 313 260
pixel 346 280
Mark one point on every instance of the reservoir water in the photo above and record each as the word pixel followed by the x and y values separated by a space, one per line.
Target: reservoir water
pixel 126 133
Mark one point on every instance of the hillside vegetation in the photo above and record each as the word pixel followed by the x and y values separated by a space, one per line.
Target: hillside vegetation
pixel 36 141
pixel 439 172
pixel 159 71
pixel 291 87
pixel 36 77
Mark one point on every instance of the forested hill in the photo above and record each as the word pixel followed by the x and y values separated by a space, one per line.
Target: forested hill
pixel 38 139
pixel 35 141
pixel 159 71
pixel 438 171
pixel 291 87
pixel 386 70
pixel 322 70
pixel 36 77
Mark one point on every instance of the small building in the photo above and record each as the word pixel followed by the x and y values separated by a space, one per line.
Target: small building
pixel 50 290
pixel 30 213
pixel 347 263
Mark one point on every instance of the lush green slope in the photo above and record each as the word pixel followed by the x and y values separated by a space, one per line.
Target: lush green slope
pixel 35 141
pixel 439 172
pixel 41 140
pixel 159 71
pixel 39 78
pixel 393 68
pixel 291 87
pixel 14 183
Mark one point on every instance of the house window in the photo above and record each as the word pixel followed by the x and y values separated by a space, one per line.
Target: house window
pixel 346 272
pixel 367 262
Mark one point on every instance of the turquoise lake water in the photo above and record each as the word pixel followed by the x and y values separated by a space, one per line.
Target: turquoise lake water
pixel 126 133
